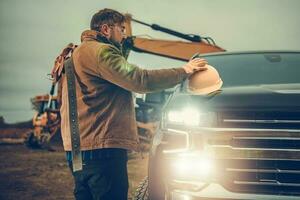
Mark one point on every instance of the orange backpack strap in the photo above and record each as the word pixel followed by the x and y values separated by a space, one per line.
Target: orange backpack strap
pixel 58 67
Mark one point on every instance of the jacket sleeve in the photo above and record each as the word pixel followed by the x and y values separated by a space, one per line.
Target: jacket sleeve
pixel 113 67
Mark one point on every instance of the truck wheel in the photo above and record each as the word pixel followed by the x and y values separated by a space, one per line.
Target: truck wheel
pixel 41 142
pixel 32 141
pixel 142 192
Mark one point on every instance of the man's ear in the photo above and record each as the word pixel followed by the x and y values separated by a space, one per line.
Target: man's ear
pixel 105 30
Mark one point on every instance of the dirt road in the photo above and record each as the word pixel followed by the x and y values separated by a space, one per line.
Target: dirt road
pixel 39 174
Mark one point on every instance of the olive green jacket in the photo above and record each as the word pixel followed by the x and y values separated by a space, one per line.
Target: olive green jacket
pixel 104 85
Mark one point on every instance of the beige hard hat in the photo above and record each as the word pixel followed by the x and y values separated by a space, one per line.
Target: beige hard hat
pixel 205 82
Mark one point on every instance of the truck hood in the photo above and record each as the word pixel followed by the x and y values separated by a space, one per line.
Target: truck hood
pixel 266 97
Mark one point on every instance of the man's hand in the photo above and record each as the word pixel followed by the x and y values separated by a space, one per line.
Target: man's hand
pixel 194 65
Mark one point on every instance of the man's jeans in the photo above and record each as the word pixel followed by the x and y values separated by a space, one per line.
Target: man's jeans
pixel 104 175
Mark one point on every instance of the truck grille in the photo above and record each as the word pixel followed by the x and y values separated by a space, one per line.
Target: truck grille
pixel 266 176
pixel 257 155
pixel 257 119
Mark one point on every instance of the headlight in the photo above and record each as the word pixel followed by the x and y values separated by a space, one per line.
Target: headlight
pixel 187 116
pixel 190 116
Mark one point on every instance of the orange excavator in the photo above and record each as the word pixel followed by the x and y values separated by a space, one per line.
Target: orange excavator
pixel 179 50
pixel 46 120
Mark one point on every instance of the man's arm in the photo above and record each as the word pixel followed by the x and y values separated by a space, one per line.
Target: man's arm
pixel 113 67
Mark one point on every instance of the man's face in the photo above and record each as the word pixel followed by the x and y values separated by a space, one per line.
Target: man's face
pixel 117 33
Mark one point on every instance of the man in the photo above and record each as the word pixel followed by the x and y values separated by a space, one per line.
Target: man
pixel 106 117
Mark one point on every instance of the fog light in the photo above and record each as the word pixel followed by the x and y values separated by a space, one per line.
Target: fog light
pixel 192 166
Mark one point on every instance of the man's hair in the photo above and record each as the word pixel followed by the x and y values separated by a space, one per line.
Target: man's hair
pixel 106 16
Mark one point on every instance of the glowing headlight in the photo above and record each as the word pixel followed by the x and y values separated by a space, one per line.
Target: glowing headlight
pixel 188 116
pixel 193 166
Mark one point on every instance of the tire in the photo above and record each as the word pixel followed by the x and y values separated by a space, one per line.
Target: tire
pixel 41 142
pixel 142 192
pixel 31 141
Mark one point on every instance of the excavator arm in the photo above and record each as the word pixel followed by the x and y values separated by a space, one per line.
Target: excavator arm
pixel 179 50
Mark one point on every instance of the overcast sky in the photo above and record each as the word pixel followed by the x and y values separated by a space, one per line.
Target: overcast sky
pixel 33 32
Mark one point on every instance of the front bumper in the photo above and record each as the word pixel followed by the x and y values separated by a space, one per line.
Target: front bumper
pixel 215 191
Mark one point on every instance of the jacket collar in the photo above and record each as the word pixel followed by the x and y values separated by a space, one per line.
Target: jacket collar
pixel 95 35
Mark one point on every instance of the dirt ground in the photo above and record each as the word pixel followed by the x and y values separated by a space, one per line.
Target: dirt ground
pixel 29 174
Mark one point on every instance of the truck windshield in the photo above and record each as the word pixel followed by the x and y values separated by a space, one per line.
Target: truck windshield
pixel 257 68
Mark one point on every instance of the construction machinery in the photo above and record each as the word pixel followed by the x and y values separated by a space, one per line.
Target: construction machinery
pixel 175 49
pixel 46 121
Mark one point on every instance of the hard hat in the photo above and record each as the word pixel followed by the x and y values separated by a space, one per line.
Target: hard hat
pixel 205 82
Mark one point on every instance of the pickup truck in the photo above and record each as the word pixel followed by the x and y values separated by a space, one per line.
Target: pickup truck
pixel 241 142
